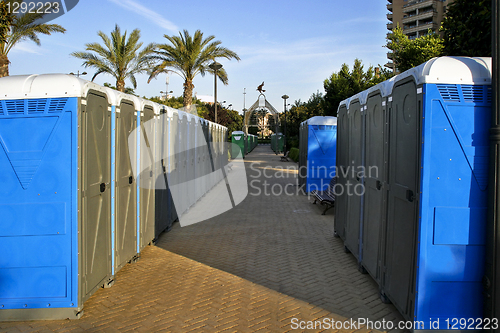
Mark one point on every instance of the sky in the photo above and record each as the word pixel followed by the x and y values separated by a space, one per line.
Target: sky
pixel 293 46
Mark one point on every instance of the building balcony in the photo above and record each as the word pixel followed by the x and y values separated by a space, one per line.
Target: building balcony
pixel 389 7
pixel 420 28
pixel 390 26
pixel 417 4
pixel 389 16
pixel 432 14
pixel 389 55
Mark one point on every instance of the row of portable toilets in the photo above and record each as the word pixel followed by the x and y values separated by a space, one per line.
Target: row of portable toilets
pixel 89 177
pixel 317 152
pixel 242 144
pixel 412 162
pixel 277 142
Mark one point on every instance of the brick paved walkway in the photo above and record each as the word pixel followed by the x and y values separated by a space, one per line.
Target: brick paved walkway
pixel 253 268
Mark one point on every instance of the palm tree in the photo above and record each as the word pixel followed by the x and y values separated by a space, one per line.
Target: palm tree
pixel 119 57
pixel 189 56
pixel 16 28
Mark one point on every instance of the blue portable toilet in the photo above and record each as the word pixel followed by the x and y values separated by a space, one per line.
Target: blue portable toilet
pixel 422 233
pixel 318 144
pixel 55 198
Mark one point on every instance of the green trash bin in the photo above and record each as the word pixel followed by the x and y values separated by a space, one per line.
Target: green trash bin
pixel 238 138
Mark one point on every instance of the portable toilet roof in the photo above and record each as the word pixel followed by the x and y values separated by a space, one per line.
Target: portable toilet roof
pixel 46 86
pixel 451 70
pixel 321 120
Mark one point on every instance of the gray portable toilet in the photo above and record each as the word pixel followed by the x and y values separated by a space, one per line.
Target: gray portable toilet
pixel 55 238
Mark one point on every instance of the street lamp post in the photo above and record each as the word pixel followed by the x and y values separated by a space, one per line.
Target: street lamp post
pixel 78 73
pixel 215 66
pixel 285 97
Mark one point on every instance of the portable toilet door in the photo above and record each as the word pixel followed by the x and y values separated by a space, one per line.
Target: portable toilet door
pixel 162 197
pixel 147 176
pixel 201 151
pixel 55 195
pixel 375 198
pixel 197 159
pixel 342 162
pixel 191 160
pixel 173 175
pixel 206 167
pixel 123 183
pixel 182 141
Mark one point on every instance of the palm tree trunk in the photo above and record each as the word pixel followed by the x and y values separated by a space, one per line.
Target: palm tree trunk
pixel 4 65
pixel 188 93
pixel 120 85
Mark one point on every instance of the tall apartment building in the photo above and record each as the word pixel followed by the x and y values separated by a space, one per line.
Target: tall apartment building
pixel 415 17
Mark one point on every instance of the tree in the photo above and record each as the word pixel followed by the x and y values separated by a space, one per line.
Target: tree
pixel 345 83
pixel 127 90
pixel 189 56
pixel 225 117
pixel 467 28
pixel 408 53
pixel 16 28
pixel 119 57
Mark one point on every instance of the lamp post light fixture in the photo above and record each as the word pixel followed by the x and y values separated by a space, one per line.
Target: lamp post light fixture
pixel 215 66
pixel 78 73
pixel 166 94
pixel 285 97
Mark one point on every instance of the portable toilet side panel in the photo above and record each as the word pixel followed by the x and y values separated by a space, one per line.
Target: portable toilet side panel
pixel 343 163
pixel 454 187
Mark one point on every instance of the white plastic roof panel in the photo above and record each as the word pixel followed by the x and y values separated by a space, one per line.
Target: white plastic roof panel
pixel 145 102
pixel 384 87
pixel 45 86
pixel 451 70
pixel 322 120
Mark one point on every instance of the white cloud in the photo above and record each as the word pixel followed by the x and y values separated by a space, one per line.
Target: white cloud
pixel 27 48
pixel 147 13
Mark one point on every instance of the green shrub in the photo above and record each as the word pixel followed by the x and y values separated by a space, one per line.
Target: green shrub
pixel 294 154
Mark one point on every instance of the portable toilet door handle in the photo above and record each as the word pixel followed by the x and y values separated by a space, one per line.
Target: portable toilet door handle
pixel 103 187
pixel 358 178
pixel 410 196
pixel 379 185
pixel 130 179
